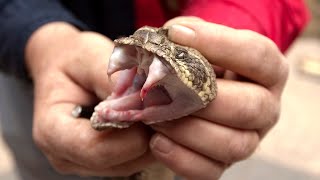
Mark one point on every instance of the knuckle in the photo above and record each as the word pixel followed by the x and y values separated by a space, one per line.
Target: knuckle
pixel 250 112
pixel 262 103
pixel 284 69
pixel 280 67
pixel 268 110
pixel 60 166
pixel 258 48
pixel 261 111
pixel 242 147
pixel 256 43
pixel 264 50
pixel 274 115
pixel 64 167
pixel 39 138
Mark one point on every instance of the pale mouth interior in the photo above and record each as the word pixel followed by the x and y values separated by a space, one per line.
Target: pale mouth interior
pixel 139 85
pixel 129 93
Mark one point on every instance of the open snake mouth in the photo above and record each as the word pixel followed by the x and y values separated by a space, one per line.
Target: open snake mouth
pixel 158 81
pixel 141 85
pixel 141 71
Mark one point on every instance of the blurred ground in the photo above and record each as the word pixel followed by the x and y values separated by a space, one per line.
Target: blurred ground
pixel 7 171
pixel 290 151
pixel 313 29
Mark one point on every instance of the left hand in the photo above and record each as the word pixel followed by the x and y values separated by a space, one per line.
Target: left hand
pixel 204 144
pixel 68 68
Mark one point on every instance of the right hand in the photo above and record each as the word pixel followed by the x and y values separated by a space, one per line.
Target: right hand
pixel 250 82
pixel 68 68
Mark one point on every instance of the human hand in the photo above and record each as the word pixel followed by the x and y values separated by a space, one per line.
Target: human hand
pixel 68 68
pixel 251 75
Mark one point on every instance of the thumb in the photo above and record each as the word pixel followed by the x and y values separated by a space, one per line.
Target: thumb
pixel 182 19
pixel 89 69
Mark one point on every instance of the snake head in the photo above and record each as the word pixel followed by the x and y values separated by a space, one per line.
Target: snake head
pixel 158 81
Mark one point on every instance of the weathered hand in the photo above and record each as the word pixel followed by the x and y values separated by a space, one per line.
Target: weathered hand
pixel 68 68
pixel 203 145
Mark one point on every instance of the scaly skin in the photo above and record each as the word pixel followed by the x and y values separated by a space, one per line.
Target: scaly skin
pixel 177 80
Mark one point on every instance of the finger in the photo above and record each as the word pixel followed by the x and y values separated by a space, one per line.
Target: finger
pixel 182 19
pixel 88 147
pixel 183 161
pixel 56 87
pixel 242 105
pixel 240 51
pixel 90 69
pixel 126 169
pixel 83 145
pixel 57 132
pixel 225 144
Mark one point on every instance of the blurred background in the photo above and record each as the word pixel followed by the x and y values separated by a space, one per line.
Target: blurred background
pixel 291 149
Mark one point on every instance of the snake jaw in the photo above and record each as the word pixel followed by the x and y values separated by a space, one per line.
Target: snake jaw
pixel 158 81
pixel 138 87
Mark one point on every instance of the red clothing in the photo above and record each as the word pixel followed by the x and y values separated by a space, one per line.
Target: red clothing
pixel 280 20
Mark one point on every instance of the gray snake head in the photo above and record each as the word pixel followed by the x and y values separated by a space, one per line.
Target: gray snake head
pixel 159 81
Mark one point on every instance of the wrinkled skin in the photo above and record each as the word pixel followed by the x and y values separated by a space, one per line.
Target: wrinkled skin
pixel 68 69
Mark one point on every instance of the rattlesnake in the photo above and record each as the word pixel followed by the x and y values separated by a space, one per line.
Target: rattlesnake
pixel 158 70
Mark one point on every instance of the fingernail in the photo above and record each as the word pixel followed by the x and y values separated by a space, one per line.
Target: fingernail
pixel 179 30
pixel 162 144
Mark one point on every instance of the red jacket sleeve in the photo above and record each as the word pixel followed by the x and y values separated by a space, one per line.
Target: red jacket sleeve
pixel 280 20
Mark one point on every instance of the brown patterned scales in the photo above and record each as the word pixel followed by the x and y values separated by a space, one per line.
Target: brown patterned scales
pixel 159 80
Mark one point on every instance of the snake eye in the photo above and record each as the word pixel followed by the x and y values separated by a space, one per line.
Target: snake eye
pixel 181 53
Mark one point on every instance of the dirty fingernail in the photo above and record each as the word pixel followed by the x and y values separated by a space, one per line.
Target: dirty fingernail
pixel 161 144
